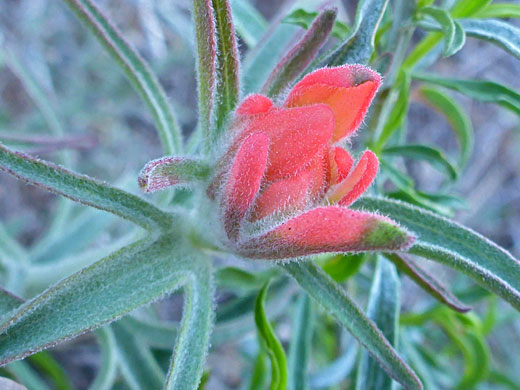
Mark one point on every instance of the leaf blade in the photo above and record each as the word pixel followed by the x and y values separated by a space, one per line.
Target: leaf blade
pixel 301 55
pixel 227 71
pixel 135 68
pixel 82 300
pixel 383 309
pixel 450 243
pixel 271 343
pixel 319 286
pixel 83 189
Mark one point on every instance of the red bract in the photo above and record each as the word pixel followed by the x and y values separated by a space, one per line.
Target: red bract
pixel 284 170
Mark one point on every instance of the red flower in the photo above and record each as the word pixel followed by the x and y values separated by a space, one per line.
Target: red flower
pixel 284 170
pixel 284 183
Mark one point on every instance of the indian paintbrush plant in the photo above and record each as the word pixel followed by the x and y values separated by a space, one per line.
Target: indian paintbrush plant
pixel 273 182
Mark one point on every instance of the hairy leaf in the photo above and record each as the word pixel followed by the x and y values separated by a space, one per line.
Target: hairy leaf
pixel 301 344
pixel 359 46
pixel 427 282
pixel 135 68
pixel 228 88
pixel 330 295
pixel 83 189
pixel 448 242
pixel 205 36
pixel 383 308
pixel 301 55
pixel 454 35
pixel 100 293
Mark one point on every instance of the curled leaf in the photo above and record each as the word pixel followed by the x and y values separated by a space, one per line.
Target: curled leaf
pixel 168 171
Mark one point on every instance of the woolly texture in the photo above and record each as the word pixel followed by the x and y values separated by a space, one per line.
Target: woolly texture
pixel 284 167
pixel 347 89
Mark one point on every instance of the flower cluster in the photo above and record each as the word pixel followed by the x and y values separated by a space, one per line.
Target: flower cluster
pixel 285 166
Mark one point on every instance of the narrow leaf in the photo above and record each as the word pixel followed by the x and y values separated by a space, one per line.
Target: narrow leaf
pixel 135 68
pixel 168 171
pixel 301 344
pixel 498 32
pixel 187 364
pixel 457 118
pixel 106 374
pixel 228 88
pixel 359 46
pixel 270 343
pixel 8 302
pixel 96 295
pixel 427 282
pixel 249 23
pixel 427 153
pixel 486 91
pixel 449 243
pixel 301 55
pixel 83 189
pixel 204 22
pixel 383 308
pixel 454 36
pixel 499 10
pixel 138 366
pixel 303 18
pixel 330 295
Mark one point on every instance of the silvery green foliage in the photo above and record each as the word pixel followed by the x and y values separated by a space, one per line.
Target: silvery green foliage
pixel 170 244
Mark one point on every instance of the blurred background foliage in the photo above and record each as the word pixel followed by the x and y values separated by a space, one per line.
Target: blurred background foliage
pixel 63 98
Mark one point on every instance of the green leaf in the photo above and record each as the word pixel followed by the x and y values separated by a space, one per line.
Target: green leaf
pixel 303 18
pixel 51 369
pixel 8 302
pixel 42 101
pixel 301 55
pixel 330 295
pixel 457 118
pixel 449 243
pixel 228 88
pixel 467 8
pixel 342 266
pixel 170 170
pixel 398 102
pixel 238 279
pixel 271 344
pixel 383 308
pixel 112 287
pixel 205 36
pixel 499 10
pixel 187 364
pixel 83 189
pixel 27 376
pixel 427 282
pixel 301 344
pixel 135 68
pixel 359 46
pixel 260 61
pixel 106 374
pixel 498 32
pixel 427 153
pixel 260 374
pixel 249 23
pixel 486 91
pixel 138 366
pixel 495 31
pixel 454 35
pixel 408 193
